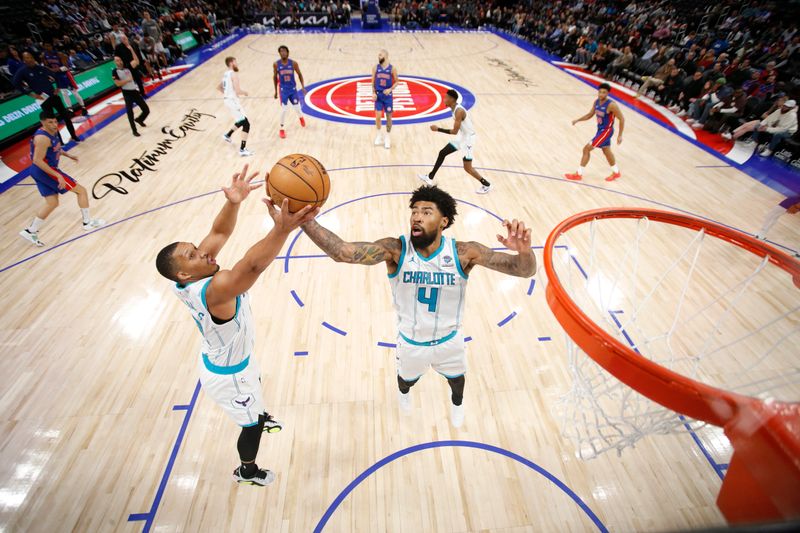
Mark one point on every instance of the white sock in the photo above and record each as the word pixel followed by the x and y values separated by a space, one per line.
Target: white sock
pixel 772 218
pixel 298 110
pixel 614 169
pixel 580 170
pixel 85 215
pixel 35 225
pixel 387 134
pixel 283 115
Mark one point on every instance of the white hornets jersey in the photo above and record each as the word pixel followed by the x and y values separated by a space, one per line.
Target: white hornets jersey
pixel 227 344
pixel 428 293
pixel 466 129
pixel 227 86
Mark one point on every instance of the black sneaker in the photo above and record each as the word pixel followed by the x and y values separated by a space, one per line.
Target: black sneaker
pixel 140 122
pixel 137 134
pixel 271 425
pixel 261 478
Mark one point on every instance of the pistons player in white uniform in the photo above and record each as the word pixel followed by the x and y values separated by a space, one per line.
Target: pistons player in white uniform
pixel 428 274
pixel 229 87
pixel 220 306
pixel 464 141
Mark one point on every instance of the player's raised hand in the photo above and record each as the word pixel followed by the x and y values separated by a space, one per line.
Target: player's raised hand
pixel 240 186
pixel 519 237
pixel 434 128
pixel 286 220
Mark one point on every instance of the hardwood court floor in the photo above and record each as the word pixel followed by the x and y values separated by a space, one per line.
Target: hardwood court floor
pixel 98 351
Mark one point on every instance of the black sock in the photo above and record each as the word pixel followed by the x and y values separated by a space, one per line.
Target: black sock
pixel 404 385
pixel 244 143
pixel 229 133
pixel 484 182
pixel 248 469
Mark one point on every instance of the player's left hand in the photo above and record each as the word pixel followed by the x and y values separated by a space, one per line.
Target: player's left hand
pixel 519 238
pixel 619 139
pixel 434 128
pixel 240 186
pixel 387 92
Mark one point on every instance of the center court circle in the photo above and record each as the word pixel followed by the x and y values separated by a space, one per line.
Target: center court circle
pixel 349 100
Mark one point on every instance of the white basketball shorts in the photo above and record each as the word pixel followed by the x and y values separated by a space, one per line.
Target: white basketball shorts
pixel 238 393
pixel 465 144
pixel 236 109
pixel 448 358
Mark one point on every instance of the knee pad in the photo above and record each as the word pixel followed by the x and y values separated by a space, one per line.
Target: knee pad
pixel 246 126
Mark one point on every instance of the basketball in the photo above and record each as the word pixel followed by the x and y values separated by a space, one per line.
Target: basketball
pixel 301 179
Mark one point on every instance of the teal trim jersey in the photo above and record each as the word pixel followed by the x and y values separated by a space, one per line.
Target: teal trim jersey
pixel 223 345
pixel 428 292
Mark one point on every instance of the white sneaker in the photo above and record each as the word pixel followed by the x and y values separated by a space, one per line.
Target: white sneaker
pixel 387 143
pixel 378 140
pixel 425 179
pixel 697 125
pixel 456 415
pixel 244 152
pixel 765 153
pixel 31 237
pixel 404 401
pixel 226 139
pixel 727 136
pixel 682 113
pixel 94 224
pixel 483 189
pixel 261 478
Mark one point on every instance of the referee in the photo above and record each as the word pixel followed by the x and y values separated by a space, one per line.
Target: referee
pixel 123 78
pixel 36 80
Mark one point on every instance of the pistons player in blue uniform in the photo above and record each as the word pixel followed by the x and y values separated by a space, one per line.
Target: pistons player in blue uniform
pixel 384 79
pixel 284 70
pixel 606 112
pixel 50 180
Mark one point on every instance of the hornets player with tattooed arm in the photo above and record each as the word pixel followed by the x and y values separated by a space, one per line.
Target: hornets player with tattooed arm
pixel 428 274
pixel 220 306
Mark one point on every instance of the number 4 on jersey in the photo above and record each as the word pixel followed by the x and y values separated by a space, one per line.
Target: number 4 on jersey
pixel 430 300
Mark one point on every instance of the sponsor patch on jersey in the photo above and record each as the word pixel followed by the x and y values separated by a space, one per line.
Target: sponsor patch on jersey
pixel 448 260
pixel 349 100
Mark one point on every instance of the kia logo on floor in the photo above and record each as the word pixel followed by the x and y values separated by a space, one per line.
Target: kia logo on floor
pixel 349 100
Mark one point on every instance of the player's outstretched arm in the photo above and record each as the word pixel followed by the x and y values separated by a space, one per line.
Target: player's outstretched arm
pixel 358 253
pixel 518 240
pixel 226 285
pixel 225 222
pixel 587 116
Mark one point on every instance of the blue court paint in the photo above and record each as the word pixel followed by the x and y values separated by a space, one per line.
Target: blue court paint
pixel 300 354
pixel 457 444
pixel 198 56
pixel 531 286
pixel 544 339
pixel 696 439
pixel 776 175
pixel 180 407
pixel 335 329
pixel 387 345
pixel 297 298
pixel 507 319
pixel 467 339
pixel 288 256
pixel 150 516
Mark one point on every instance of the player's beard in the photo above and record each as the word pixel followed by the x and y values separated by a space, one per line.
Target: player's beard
pixel 236 69
pixel 424 240
pixel 382 60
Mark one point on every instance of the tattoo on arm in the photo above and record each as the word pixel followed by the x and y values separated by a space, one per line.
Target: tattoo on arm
pixel 522 265
pixel 358 253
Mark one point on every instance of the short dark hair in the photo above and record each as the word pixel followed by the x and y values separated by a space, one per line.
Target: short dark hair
pixel 46 114
pixel 452 93
pixel 605 86
pixel 445 203
pixel 165 262
pixel 229 60
pixel 283 47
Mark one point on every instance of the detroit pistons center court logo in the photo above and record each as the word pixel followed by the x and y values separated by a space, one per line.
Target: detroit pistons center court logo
pixel 349 100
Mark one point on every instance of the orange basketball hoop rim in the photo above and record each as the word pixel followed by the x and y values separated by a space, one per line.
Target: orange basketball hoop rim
pixel 763 479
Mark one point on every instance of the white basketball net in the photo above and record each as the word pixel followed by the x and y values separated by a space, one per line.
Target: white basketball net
pixel 694 304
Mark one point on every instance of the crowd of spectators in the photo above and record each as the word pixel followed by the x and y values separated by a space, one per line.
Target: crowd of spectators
pixel 726 67
pixel 85 33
